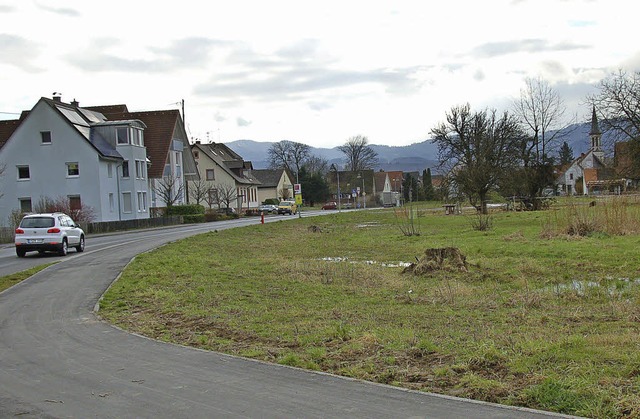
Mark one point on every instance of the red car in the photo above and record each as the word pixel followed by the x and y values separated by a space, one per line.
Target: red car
pixel 330 206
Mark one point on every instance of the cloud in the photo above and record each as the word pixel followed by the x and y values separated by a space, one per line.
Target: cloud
pixel 7 9
pixel 218 117
pixel 65 11
pixel 241 122
pixel 496 49
pixel 297 72
pixel 192 51
pixel 179 54
pixel 19 52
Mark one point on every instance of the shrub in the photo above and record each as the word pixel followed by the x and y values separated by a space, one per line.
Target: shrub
pixel 211 216
pixel 193 218
pixel 271 201
pixel 61 204
pixel 189 209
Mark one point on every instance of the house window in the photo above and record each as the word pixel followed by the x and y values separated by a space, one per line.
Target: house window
pixel 196 155
pixel 46 137
pixel 125 168
pixel 73 170
pixel 109 170
pixel 111 202
pixel 23 173
pixel 178 167
pixel 570 176
pixel 74 203
pixel 126 202
pixel 122 135
pixel 211 174
pixel 142 201
pixel 138 169
pixel 25 204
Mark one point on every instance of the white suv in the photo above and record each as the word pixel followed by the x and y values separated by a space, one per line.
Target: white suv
pixel 54 232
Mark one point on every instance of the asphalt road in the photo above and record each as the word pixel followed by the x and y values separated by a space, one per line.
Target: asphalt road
pixel 58 360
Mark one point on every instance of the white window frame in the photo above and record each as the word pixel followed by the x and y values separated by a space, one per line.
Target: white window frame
pixel 25 199
pixel 125 201
pixel 22 166
pixel 69 165
pixel 44 134
pixel 111 202
pixel 118 138
pixel 109 170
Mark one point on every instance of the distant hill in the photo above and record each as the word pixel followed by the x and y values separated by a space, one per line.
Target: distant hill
pixel 414 157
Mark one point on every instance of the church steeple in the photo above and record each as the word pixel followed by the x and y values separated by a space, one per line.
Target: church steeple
pixel 595 133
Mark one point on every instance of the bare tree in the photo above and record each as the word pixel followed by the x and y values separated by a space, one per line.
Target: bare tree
pixel 477 149
pixel 199 190
pixel 618 105
pixel 170 189
pixel 540 111
pixel 3 168
pixel 285 193
pixel 289 155
pixel 359 155
pixel 226 194
pixel 212 198
pixel 316 164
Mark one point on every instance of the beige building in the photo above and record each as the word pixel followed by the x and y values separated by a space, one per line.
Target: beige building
pixel 228 179
pixel 274 184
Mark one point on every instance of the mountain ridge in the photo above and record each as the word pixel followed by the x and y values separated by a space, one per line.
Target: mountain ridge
pixel 414 157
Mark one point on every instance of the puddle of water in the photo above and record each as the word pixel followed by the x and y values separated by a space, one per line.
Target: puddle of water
pixel 613 287
pixel 366 262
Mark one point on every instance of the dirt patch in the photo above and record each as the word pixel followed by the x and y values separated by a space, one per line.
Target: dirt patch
pixel 439 259
pixel 314 229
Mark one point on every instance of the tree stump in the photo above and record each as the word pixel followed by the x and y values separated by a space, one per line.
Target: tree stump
pixel 439 259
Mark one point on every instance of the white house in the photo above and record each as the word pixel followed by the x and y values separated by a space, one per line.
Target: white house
pixel 585 168
pixel 62 151
pixel 172 165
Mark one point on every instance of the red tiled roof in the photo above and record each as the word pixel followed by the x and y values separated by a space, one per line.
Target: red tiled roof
pixel 6 129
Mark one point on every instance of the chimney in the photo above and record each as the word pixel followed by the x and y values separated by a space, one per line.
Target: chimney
pixel 197 141
pixel 57 97
pixel 75 103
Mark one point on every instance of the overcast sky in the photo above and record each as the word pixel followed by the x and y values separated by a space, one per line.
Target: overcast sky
pixel 313 72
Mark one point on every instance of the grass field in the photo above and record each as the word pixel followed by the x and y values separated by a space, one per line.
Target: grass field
pixel 541 319
pixel 8 281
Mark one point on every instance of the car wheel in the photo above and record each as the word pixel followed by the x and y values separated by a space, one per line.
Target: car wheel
pixel 20 252
pixel 80 246
pixel 41 252
pixel 64 248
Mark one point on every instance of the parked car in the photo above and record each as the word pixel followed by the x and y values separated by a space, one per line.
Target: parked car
pixel 268 208
pixel 54 232
pixel 287 207
pixel 330 206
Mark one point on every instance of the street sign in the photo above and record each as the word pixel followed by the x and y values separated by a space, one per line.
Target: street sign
pixel 297 188
pixel 298 199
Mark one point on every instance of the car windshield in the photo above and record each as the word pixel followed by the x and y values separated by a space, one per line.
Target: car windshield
pixel 37 222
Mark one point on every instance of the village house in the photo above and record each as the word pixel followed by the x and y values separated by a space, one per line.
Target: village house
pixel 593 173
pixel 103 160
pixel 232 183
pixel 274 184
pixel 62 151
pixel 388 187
pixel 171 164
